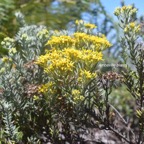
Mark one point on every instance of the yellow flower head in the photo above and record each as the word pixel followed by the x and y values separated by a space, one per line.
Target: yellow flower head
pixel 132 27
pixel 25 37
pixel 55 61
pixel 77 97
pixel 59 41
pixel 77 22
pixel 46 87
pixel 75 92
pixel 85 76
pixel 42 33
pixel 12 51
pixel 95 42
pixel 73 54
pixel 5 59
pixel 90 56
pixel 90 26
pixel 7 42
pixel 129 10
pixel 124 8
pixel 2 70
pixel 35 98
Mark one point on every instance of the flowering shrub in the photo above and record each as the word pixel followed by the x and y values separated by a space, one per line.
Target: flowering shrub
pixel 70 65
pixel 71 61
pixel 45 79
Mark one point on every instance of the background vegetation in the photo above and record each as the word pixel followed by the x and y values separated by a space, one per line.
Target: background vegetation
pixel 76 98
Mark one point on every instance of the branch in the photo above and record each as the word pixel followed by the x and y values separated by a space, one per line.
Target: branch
pixel 118 133
pixel 118 113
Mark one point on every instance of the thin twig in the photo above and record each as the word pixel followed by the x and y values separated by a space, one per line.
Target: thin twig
pixel 118 113
pixel 116 132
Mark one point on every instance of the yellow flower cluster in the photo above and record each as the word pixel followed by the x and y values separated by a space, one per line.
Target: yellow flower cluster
pixel 91 57
pixel 61 41
pixel 86 75
pixel 54 61
pixel 125 9
pixel 77 22
pixel 77 95
pixel 132 27
pixel 93 42
pixel 6 59
pixel 72 57
pixel 79 40
pixel 12 51
pixel 86 56
pixel 42 33
pixel 2 70
pixel 46 87
pixel 75 52
pixel 35 97
pixel 89 26
pixel 25 37
pixel 66 61
pixel 86 25
pixel 7 42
